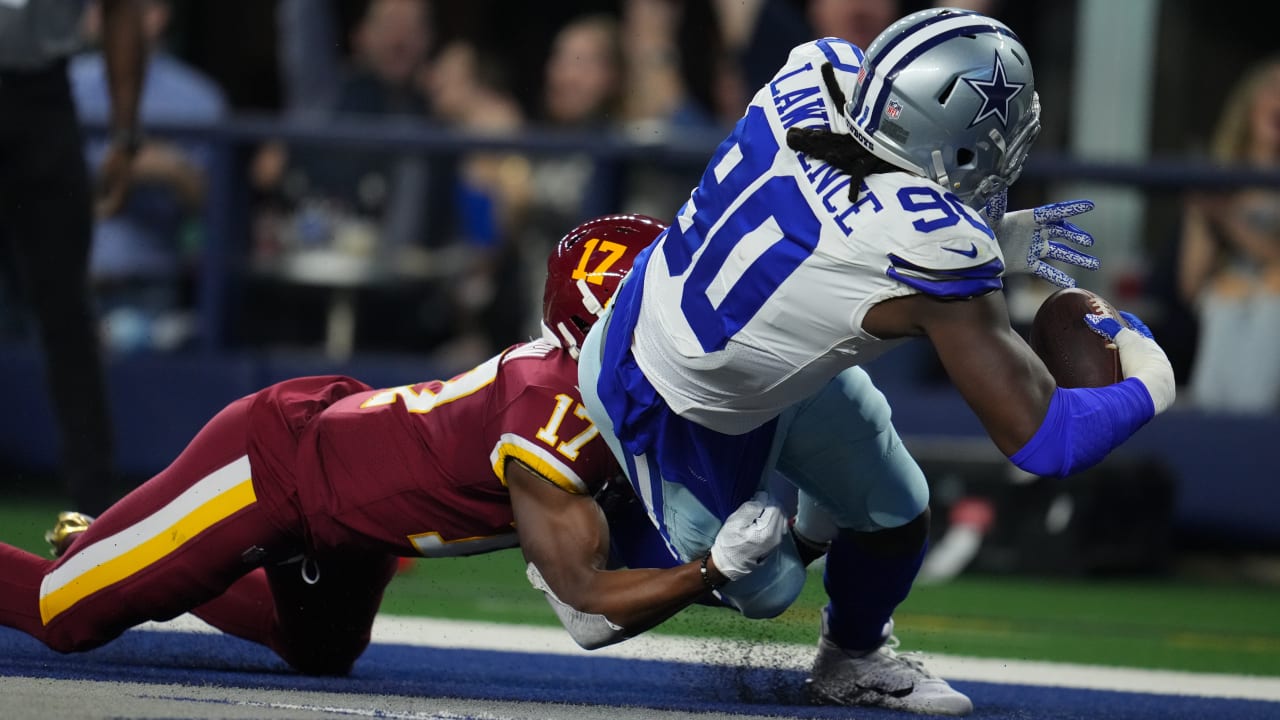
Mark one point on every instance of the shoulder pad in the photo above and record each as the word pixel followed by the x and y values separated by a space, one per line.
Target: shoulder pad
pixel 947 283
pixel 845 59
pixel 842 54
pixel 949 261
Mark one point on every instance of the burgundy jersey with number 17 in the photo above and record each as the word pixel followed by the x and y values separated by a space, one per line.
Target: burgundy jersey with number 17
pixel 419 469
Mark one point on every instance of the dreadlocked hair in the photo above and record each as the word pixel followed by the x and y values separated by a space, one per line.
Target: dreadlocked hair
pixel 841 152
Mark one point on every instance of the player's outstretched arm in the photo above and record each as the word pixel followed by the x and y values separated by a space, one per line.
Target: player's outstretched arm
pixel 1044 429
pixel 1030 238
pixel 996 372
pixel 565 539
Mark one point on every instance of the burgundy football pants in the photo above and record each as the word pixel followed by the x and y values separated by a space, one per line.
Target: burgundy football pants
pixel 196 538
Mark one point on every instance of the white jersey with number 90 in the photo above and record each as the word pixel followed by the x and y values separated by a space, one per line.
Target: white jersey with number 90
pixel 754 299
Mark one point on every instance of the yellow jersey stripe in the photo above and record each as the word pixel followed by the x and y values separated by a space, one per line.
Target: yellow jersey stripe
pixel 537 458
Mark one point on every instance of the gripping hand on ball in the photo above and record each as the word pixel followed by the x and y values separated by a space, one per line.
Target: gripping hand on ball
pixel 748 536
pixel 1140 356
pixel 1029 238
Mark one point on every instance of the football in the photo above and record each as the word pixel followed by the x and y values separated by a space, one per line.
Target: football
pixel 1075 355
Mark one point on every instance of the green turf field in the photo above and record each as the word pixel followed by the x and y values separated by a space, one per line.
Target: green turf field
pixel 1158 623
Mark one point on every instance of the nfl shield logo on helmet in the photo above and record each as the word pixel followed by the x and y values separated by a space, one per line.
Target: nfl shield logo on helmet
pixel 893 110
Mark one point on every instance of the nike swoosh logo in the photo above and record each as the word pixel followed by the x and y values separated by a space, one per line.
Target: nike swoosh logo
pixel 972 252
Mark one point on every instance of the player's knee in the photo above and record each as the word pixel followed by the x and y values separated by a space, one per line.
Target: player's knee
pixel 899 495
pixel 323 666
pixel 71 640
pixel 322 649
pixel 326 658
pixel 906 539
pixel 763 606
pixel 768 592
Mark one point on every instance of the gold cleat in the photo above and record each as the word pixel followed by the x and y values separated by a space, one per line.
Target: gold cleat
pixel 69 526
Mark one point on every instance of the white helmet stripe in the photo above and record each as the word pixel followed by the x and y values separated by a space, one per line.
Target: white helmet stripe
pixel 870 61
pixel 888 64
pixel 878 65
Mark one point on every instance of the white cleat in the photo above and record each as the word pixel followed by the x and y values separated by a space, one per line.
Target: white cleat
pixel 880 678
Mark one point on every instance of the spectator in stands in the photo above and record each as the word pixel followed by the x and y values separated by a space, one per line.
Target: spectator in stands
pixel 468 90
pixel 858 21
pixel 659 104
pixel 610 74
pixel 1230 258
pixel 310 63
pixel 139 255
pixel 761 32
pixel 369 206
pixel 582 91
pixel 390 47
pixel 658 98
pixel 308 55
pixel 583 83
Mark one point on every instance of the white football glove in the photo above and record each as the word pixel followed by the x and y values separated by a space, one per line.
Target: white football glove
pixel 1029 237
pixel 1140 356
pixel 589 630
pixel 748 536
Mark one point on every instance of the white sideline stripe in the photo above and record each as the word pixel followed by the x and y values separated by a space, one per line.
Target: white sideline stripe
pixel 424 632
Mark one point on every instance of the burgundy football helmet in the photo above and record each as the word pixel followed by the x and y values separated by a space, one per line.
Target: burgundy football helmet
pixel 585 269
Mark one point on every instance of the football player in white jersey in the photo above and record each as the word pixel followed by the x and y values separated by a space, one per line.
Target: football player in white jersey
pixel 859 202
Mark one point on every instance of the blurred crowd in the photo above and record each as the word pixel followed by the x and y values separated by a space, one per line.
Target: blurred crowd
pixel 1229 264
pixel 355 247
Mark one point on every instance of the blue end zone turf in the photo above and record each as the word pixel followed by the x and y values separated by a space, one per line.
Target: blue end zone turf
pixel 211 659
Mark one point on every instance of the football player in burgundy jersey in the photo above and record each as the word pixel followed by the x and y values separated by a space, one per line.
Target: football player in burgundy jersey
pixel 282 520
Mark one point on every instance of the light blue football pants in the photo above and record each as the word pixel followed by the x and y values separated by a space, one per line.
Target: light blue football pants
pixel 838 447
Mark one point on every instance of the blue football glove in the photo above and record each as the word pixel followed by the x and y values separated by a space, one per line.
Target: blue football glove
pixel 1140 356
pixel 1028 238
pixel 1108 327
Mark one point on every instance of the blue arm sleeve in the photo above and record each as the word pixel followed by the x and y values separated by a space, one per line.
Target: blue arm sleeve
pixel 1083 425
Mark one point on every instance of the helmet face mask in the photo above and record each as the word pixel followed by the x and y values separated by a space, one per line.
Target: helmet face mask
pixel 948 94
pixel 585 269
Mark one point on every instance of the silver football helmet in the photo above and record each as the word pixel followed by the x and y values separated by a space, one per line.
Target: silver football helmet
pixel 948 94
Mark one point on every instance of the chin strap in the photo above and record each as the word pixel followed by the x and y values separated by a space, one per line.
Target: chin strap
pixel 561 337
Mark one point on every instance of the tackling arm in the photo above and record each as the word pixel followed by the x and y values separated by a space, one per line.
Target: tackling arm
pixel 566 538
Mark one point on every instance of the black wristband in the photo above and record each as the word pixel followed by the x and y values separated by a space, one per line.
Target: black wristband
pixel 706 576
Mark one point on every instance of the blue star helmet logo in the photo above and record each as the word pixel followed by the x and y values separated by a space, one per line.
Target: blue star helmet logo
pixel 996 94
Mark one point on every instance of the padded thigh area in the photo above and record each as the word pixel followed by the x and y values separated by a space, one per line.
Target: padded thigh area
pixel 842 449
